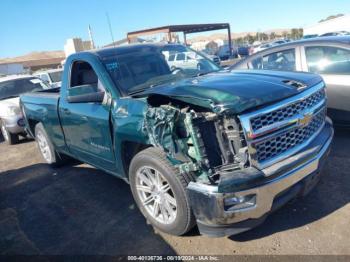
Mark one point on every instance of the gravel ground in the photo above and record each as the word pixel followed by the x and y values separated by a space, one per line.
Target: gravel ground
pixel 79 210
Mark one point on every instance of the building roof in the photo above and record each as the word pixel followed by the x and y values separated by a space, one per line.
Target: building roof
pixel 130 48
pixel 190 28
pixel 36 59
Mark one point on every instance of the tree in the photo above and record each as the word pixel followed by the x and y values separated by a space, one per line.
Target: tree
pixel 294 33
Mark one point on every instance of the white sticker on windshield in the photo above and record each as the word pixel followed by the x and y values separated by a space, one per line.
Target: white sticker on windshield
pixel 35 81
pixel 112 66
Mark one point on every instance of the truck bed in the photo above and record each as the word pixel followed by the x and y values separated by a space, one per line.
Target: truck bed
pixel 42 107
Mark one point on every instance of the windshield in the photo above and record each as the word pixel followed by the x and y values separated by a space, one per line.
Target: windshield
pixel 14 88
pixel 145 67
pixel 56 76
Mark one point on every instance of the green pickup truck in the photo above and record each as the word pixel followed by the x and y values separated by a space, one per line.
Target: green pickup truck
pixel 197 144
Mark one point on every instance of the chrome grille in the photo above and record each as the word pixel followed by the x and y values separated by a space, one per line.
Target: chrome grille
pixel 287 111
pixel 278 131
pixel 272 147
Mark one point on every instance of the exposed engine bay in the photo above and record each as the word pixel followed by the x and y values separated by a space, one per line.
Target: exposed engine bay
pixel 195 140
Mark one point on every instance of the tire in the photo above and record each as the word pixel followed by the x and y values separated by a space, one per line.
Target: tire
pixel 46 148
pixel 155 159
pixel 9 138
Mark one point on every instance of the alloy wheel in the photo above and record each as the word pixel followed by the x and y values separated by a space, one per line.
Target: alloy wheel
pixel 156 195
pixel 44 147
pixel 4 132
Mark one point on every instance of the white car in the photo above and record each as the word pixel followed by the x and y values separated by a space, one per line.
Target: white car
pixel 51 77
pixel 183 60
pixel 11 119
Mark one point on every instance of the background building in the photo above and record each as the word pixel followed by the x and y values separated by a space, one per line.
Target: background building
pixel 74 45
pixel 340 23
pixel 32 62
pixel 11 69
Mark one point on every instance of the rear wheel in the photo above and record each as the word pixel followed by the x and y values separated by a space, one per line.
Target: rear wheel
pixel 9 137
pixel 160 192
pixel 46 148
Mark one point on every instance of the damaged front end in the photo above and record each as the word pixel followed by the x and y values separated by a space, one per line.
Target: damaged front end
pixel 205 143
pixel 235 189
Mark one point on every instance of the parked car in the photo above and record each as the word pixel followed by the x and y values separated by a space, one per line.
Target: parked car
pixel 213 58
pixel 224 52
pixel 183 60
pixel 196 146
pixel 243 51
pixel 11 119
pixel 338 33
pixel 327 56
pixel 51 77
pixel 268 45
pixel 309 36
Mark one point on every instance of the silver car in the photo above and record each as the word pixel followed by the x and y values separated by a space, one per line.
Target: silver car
pixel 327 56
pixel 11 119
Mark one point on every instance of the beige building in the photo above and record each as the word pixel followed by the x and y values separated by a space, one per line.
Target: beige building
pixel 33 61
pixel 341 23
pixel 74 45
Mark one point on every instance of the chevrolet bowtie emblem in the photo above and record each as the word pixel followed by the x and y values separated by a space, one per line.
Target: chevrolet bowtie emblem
pixel 305 120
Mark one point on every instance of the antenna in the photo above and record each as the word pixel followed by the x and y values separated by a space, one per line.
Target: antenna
pixel 91 39
pixel 110 28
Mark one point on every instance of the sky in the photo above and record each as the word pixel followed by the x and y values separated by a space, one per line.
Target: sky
pixel 42 25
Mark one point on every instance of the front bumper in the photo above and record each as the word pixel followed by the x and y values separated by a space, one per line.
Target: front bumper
pixel 267 189
pixel 14 124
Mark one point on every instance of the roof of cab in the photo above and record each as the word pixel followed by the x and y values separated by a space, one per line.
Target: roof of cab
pixel 130 48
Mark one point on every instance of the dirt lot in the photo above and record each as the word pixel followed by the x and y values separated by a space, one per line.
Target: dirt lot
pixel 80 210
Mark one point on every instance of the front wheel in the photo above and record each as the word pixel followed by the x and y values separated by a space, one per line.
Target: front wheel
pixel 160 192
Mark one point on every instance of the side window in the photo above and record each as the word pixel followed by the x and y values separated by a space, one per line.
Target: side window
pixel 282 60
pixel 189 58
pixel 328 60
pixel 256 63
pixel 171 58
pixel 180 57
pixel 83 74
pixel 45 78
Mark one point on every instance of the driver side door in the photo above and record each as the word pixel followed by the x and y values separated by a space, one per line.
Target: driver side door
pixel 86 125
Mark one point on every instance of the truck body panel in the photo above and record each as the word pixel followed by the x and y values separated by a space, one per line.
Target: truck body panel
pixel 238 91
pixel 235 133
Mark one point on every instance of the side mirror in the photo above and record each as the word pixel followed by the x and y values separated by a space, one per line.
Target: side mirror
pixel 95 97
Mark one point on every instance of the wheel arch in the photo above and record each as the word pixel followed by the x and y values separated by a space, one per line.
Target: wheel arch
pixel 128 150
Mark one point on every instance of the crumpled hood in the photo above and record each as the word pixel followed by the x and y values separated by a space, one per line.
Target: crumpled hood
pixel 236 91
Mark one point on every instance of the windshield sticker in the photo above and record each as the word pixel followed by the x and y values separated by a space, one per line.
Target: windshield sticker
pixel 112 66
pixel 35 81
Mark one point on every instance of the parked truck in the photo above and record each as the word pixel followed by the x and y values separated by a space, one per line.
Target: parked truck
pixel 197 145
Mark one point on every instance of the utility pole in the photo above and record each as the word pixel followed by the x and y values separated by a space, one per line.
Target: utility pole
pixel 91 38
